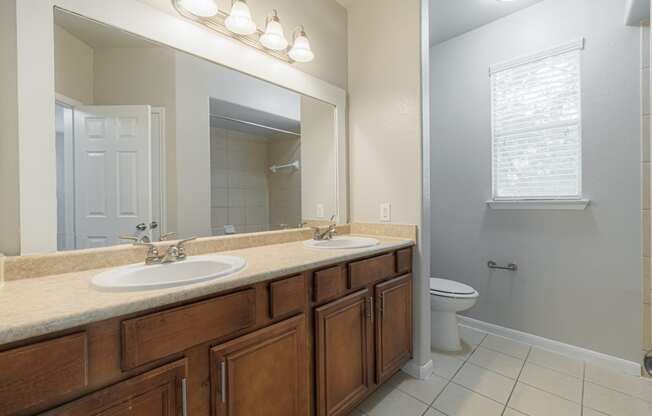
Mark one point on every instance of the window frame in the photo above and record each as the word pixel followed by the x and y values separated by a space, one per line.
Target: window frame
pixel 538 202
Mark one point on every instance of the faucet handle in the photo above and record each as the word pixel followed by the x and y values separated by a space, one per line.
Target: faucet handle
pixel 181 250
pixel 142 240
pixel 129 238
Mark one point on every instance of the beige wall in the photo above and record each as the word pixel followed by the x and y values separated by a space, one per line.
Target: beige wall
pixel 385 44
pixel 143 76
pixel 384 110
pixel 319 159
pixel 9 186
pixel 73 67
pixel 325 23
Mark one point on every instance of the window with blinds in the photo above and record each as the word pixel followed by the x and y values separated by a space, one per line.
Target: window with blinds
pixel 536 123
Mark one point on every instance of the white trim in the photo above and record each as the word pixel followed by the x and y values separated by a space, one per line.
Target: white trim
pixel 421 297
pixel 557 50
pixel 162 171
pixel 420 372
pixel 541 204
pixel 70 102
pixel 590 356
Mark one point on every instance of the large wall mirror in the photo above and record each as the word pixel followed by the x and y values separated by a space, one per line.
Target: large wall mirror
pixel 151 140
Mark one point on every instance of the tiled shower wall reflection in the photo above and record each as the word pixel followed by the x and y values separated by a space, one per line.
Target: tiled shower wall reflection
pixel 239 189
pixel 645 172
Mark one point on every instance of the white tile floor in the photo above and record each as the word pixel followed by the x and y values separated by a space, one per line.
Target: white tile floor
pixel 497 376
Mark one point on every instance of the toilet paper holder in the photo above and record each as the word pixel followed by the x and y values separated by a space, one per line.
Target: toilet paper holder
pixel 493 265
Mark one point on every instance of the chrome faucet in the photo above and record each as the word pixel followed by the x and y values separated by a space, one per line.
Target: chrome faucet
pixel 176 252
pixel 318 235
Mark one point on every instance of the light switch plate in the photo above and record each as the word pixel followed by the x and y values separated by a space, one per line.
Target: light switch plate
pixel 320 210
pixel 386 212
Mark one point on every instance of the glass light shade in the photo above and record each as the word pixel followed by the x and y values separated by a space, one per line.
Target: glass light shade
pixel 274 38
pixel 201 8
pixel 301 51
pixel 239 20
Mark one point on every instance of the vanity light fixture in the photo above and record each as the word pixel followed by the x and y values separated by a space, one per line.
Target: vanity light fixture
pixel 274 38
pixel 301 51
pixel 239 20
pixel 200 8
pixel 239 25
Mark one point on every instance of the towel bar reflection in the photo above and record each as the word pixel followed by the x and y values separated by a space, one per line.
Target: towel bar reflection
pixel 493 265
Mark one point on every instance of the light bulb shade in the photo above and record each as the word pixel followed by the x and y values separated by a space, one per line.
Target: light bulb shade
pixel 274 38
pixel 201 8
pixel 301 51
pixel 239 20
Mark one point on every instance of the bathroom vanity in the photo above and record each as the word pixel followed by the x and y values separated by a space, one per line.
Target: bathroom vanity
pixel 311 343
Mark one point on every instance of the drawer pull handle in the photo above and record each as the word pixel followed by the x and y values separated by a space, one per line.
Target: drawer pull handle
pixel 184 397
pixel 370 308
pixel 223 381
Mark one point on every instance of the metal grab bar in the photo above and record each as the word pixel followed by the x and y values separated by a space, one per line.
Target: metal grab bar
pixel 493 265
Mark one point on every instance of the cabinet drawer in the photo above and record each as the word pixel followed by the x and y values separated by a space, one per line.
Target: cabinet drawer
pixel 329 283
pixel 287 296
pixel 404 260
pixel 157 392
pixel 42 372
pixel 367 271
pixel 151 337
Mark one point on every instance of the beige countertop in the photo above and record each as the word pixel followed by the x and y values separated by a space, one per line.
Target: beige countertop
pixel 42 305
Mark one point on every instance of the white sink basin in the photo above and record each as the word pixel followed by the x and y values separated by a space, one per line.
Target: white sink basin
pixel 194 269
pixel 342 243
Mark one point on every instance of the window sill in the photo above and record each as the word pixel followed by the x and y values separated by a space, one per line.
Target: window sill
pixel 543 204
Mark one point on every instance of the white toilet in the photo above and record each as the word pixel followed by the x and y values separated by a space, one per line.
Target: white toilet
pixel 447 298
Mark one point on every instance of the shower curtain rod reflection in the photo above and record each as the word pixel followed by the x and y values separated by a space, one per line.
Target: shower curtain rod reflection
pixel 250 123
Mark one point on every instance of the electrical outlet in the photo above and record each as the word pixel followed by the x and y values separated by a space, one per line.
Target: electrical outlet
pixel 320 210
pixel 386 212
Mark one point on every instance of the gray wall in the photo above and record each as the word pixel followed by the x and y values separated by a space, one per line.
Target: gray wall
pixel 579 280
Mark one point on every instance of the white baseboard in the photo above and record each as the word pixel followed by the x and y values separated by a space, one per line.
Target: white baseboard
pixel 597 358
pixel 417 371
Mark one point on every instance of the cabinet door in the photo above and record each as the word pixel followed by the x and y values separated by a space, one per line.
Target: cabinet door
pixel 160 392
pixel 344 353
pixel 264 373
pixel 393 325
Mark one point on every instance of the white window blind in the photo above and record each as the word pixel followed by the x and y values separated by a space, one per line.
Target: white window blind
pixel 536 123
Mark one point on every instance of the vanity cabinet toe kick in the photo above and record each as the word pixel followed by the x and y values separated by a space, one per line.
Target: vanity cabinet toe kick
pixel 315 343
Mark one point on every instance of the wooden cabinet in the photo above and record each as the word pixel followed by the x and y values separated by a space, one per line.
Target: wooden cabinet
pixel 159 392
pixel 344 353
pixel 393 326
pixel 41 372
pixel 264 373
pixel 154 336
pixel 315 343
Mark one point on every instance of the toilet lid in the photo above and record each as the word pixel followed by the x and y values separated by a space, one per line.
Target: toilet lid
pixel 450 287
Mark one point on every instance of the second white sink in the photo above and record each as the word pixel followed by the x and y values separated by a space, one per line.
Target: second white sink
pixel 343 242
pixel 194 269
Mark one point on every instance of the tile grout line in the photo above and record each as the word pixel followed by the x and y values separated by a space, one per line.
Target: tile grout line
pixel 583 384
pixel 517 378
pixel 475 347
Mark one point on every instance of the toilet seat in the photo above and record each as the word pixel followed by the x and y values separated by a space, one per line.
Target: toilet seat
pixel 451 289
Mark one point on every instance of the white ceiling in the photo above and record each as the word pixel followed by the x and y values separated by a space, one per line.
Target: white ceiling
pixel 450 18
pixel 97 35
